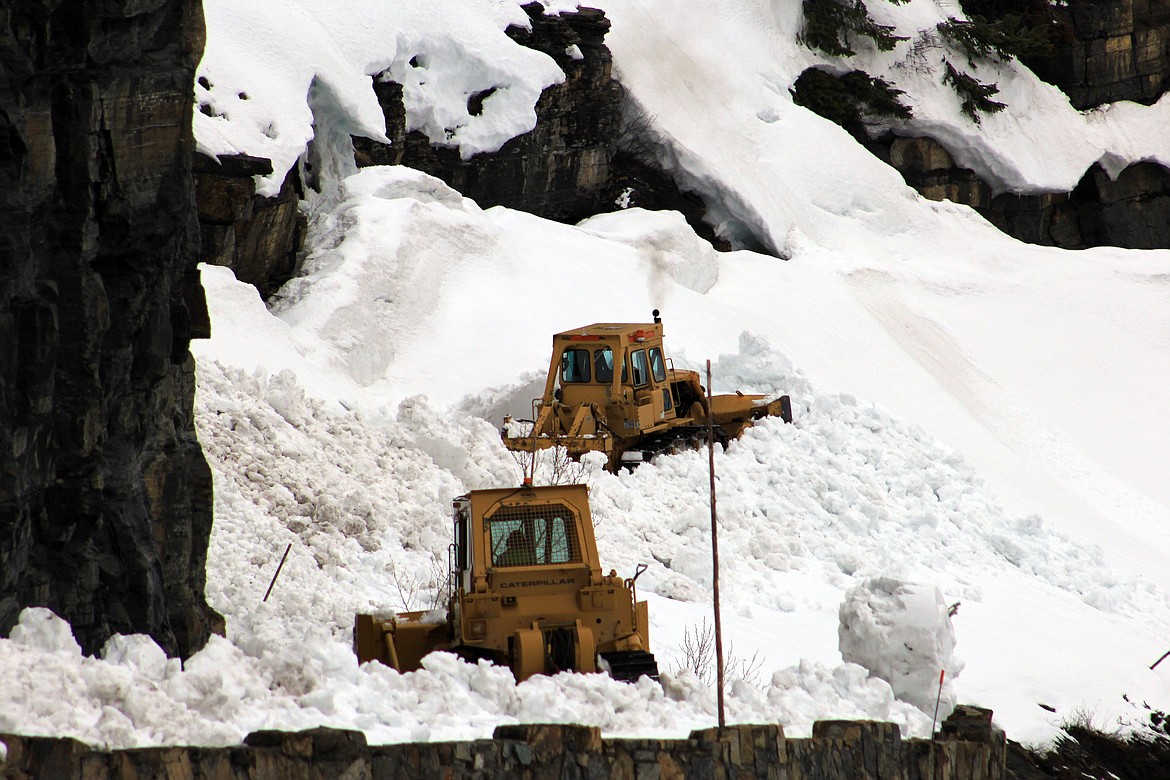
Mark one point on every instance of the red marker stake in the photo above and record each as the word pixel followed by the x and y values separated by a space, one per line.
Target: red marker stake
pixel 941 674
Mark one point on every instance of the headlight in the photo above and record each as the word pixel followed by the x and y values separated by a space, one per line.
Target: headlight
pixel 477 629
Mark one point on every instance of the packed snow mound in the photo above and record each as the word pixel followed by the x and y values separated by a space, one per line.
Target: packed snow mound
pixel 262 60
pixel 126 700
pixel 902 633
pixel 360 284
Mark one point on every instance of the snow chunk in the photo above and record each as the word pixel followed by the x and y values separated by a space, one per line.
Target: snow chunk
pixel 138 653
pixel 40 629
pixel 902 633
pixel 674 251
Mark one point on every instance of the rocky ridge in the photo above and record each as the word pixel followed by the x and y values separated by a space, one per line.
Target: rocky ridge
pixel 105 497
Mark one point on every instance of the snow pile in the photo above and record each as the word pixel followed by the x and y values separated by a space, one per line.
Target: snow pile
pixel 266 65
pixel 902 633
pixel 134 697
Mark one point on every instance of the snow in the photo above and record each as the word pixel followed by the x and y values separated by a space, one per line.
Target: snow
pixel 262 60
pixel 978 421
pixel 901 633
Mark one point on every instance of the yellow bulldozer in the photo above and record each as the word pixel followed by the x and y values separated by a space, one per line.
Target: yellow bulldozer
pixel 612 389
pixel 527 592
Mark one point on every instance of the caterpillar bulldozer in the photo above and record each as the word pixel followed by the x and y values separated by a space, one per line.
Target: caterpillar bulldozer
pixel 612 389
pixel 527 592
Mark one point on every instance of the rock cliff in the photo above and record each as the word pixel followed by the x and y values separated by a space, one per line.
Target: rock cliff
pixel 1104 51
pixel 1110 51
pixel 105 498
pixel 258 238
pixel 583 156
pixel 1131 211
pixel 561 169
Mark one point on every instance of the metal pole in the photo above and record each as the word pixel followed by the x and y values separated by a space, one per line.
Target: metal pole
pixel 715 551
pixel 941 674
pixel 278 568
pixel 1160 660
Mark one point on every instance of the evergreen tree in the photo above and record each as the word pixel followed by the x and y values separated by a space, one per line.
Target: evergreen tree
pixel 833 25
pixel 976 96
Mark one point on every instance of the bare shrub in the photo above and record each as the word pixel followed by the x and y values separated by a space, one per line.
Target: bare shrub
pixel 699 658
pixel 428 591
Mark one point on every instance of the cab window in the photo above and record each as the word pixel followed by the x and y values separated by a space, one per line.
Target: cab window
pixel 603 366
pixel 575 365
pixel 533 536
pixel 657 364
pixel 639 367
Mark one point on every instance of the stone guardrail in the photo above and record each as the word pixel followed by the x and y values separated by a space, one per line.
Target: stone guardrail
pixel 967 748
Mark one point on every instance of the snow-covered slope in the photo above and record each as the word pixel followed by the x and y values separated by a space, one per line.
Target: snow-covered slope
pixel 973 414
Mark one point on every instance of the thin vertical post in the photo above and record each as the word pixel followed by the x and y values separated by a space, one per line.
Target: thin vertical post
pixel 715 551
pixel 278 568
pixel 942 673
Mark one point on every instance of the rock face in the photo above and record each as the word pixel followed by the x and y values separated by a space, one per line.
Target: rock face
pixel 258 238
pixel 580 160
pixel 1113 50
pixel 838 750
pixel 561 169
pixel 1132 211
pixel 105 498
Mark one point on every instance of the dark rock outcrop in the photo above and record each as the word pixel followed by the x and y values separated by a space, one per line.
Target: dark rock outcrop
pixel 105 498
pixel 1131 211
pixel 583 157
pixel 259 238
pixel 1096 51
pixel 1111 50
pixel 559 170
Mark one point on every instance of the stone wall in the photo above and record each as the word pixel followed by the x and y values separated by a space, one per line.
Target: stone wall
pixel 968 748
pixel 105 498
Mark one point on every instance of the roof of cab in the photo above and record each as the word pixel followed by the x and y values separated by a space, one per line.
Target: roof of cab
pixel 634 330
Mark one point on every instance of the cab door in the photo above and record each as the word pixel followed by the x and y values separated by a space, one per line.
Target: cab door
pixel 651 390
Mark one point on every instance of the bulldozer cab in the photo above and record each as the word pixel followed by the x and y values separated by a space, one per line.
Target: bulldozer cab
pixel 503 536
pixel 620 368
